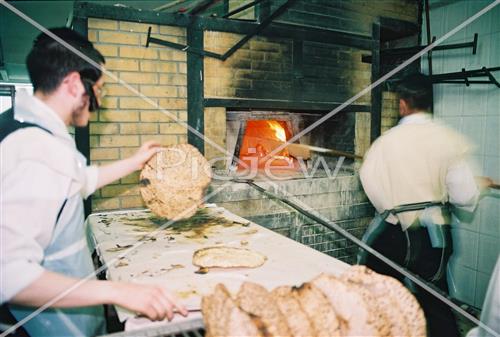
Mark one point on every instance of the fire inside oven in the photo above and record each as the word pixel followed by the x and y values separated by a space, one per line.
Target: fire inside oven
pixel 257 139
pixel 260 140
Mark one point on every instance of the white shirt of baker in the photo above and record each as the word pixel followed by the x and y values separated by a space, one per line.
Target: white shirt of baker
pixel 416 161
pixel 38 171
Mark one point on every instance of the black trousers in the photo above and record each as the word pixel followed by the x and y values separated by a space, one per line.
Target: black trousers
pixel 412 249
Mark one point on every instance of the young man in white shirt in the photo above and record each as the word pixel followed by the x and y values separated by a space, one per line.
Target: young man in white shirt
pixel 44 180
pixel 419 161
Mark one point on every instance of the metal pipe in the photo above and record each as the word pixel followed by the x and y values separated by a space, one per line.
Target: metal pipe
pixel 180 47
pixel 459 75
pixel 407 50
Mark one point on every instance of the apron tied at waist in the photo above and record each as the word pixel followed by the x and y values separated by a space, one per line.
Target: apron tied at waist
pixel 437 233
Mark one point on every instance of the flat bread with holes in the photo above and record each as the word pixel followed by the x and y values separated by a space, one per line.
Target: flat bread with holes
pixel 318 309
pixel 297 319
pixel 173 182
pixel 354 307
pixel 257 301
pixel 401 307
pixel 227 257
pixel 222 317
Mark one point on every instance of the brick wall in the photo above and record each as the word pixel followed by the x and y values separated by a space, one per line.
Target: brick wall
pixel 127 120
pixel 215 130
pixel 390 110
pixel 262 68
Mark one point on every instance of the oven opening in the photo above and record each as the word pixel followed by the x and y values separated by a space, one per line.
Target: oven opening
pixel 260 139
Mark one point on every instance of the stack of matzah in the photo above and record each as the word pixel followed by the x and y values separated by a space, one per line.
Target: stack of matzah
pixel 173 182
pixel 359 303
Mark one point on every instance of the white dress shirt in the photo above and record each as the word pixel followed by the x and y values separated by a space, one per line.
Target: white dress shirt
pixel 416 161
pixel 38 171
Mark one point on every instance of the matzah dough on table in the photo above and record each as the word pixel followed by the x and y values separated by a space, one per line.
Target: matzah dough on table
pixel 173 182
pixel 227 257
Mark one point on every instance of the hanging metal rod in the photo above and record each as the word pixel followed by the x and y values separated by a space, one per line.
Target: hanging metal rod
pixel 394 52
pixel 181 47
pixel 463 72
pixel 397 51
pixel 462 77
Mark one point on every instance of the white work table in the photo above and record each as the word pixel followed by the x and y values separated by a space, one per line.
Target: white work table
pixel 165 256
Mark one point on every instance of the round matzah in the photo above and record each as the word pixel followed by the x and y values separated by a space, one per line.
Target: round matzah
pixel 406 306
pixel 173 182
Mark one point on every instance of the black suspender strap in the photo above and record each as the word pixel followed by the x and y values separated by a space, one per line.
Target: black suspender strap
pixel 9 125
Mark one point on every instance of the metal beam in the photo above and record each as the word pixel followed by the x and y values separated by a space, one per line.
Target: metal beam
pixel 386 54
pixel 282 30
pixel 290 31
pixel 245 103
pixel 262 11
pixel 195 90
pixel 94 10
pixel 225 8
pixel 178 46
pixel 1 54
pixel 462 77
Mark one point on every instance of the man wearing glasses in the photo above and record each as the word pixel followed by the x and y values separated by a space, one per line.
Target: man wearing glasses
pixel 44 180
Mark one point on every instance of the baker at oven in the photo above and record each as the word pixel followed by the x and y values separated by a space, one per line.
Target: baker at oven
pixel 411 174
pixel 43 182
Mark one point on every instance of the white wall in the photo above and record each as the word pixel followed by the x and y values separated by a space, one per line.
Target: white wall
pixel 475 111
pixel 6 101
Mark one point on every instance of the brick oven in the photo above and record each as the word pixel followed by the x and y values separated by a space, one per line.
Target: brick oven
pixel 301 66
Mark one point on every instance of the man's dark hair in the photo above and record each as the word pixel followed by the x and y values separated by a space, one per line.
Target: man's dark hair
pixel 49 61
pixel 416 91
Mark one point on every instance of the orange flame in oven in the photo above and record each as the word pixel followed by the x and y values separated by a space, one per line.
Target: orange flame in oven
pixel 262 137
pixel 278 130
